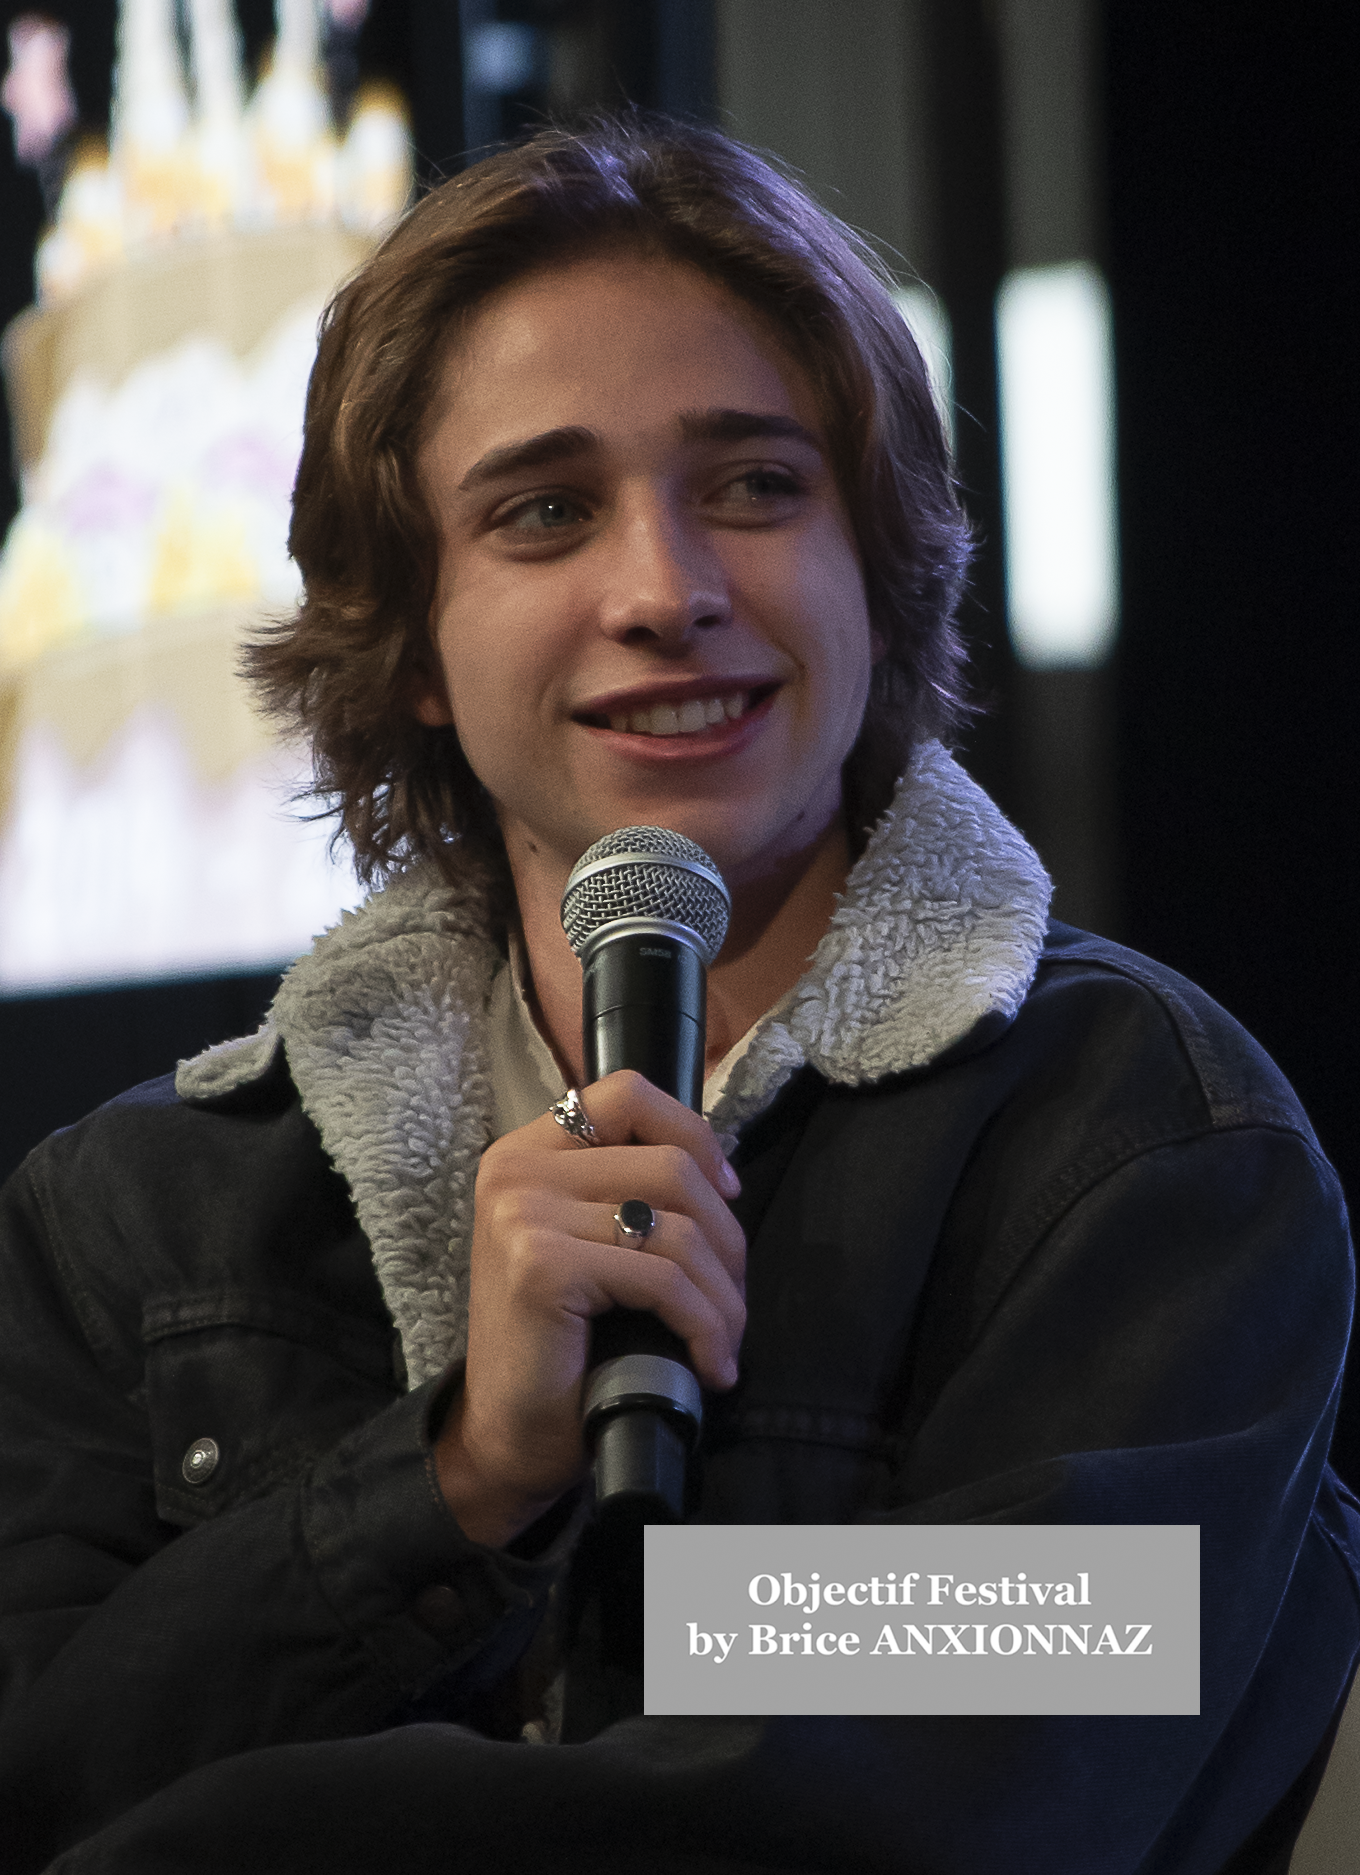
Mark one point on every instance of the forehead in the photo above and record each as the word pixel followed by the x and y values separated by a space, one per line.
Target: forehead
pixel 621 345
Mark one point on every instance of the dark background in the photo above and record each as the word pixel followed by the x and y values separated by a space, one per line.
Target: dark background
pixel 1228 241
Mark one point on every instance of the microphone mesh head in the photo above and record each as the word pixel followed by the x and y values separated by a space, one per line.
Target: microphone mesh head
pixel 655 874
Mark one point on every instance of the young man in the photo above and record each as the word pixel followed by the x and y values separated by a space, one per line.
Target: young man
pixel 623 500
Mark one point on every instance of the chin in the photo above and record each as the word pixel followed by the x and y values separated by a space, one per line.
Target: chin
pixel 745 838
pixel 741 848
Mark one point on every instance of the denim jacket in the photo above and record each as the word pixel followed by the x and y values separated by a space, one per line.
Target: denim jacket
pixel 1081 1262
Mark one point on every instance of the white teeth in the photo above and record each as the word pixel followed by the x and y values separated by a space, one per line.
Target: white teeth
pixel 685 719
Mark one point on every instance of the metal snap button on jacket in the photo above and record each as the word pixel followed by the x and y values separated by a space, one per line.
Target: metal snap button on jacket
pixel 200 1461
pixel 439 1610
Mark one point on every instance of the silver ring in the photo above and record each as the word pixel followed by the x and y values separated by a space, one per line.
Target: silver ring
pixel 634 1222
pixel 572 1117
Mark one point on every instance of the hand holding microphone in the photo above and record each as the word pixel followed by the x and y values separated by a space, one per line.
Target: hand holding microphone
pixel 646 911
pixel 547 1260
pixel 545 1263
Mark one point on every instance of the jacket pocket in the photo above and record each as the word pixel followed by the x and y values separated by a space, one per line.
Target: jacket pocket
pixel 245 1391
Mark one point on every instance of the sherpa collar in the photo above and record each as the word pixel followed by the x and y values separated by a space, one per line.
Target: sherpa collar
pixel 383 1021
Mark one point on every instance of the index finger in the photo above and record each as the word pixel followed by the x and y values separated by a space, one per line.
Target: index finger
pixel 625 1109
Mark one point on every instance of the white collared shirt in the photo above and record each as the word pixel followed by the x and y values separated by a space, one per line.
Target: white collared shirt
pixel 523 1071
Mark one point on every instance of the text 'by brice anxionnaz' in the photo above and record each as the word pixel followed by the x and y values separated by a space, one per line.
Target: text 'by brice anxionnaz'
pixel 1061 1639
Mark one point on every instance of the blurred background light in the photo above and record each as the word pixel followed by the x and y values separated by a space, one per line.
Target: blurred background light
pixel 501 56
pixel 37 90
pixel 1056 390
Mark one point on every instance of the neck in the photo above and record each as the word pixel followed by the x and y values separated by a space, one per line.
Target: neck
pixel 779 916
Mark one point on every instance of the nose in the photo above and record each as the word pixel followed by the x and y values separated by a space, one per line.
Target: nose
pixel 661 580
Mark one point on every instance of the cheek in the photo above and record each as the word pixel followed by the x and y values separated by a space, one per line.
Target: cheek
pixel 847 678
pixel 470 647
pixel 848 645
pixel 469 674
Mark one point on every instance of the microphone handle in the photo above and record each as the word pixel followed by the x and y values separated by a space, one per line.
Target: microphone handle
pixel 643 1008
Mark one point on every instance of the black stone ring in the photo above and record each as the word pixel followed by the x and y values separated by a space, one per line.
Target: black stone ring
pixel 634 1223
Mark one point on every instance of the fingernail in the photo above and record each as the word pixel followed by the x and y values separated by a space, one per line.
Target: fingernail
pixel 730 1182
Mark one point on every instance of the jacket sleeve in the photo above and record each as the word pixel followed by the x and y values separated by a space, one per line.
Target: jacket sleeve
pixel 1164 1350
pixel 131 1651
pixel 1168 1350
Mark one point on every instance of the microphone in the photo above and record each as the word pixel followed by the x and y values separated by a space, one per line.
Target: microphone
pixel 646 912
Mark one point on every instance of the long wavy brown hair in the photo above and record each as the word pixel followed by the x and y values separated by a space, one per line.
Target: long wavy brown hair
pixel 345 668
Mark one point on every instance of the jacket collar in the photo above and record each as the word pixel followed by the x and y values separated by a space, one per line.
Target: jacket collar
pixel 938 932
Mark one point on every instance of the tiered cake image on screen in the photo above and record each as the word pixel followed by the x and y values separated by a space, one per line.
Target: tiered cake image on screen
pixel 156 390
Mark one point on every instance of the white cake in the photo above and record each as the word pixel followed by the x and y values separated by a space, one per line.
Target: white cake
pixel 157 393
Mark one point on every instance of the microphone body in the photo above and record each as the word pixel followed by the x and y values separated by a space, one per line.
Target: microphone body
pixel 643 1007
pixel 646 912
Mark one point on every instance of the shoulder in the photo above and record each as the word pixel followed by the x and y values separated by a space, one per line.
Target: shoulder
pixel 1124 1105
pixel 1125 1152
pixel 1108 1054
pixel 227 1102
pixel 157 1196
pixel 1119 1091
pixel 1167 1042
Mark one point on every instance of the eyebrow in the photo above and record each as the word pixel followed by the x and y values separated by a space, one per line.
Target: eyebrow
pixel 738 426
pixel 696 426
pixel 533 453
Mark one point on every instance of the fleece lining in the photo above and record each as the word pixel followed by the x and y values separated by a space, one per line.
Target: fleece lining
pixel 383 1022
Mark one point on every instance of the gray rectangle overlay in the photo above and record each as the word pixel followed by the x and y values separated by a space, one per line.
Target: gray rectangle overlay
pixel 921 1618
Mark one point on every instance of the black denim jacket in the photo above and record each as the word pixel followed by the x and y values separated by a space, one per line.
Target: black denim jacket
pixel 1091 1270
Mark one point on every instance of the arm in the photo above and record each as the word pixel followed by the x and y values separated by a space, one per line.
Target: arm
pixel 133 1651
pixel 311 1611
pixel 1166 1350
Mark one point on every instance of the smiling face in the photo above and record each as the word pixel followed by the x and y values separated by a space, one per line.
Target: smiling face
pixel 650 606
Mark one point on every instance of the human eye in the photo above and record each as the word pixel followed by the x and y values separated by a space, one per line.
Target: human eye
pixel 541 516
pixel 764 489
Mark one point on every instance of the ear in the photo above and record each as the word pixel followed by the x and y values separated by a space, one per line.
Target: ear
pixel 428 700
pixel 428 692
